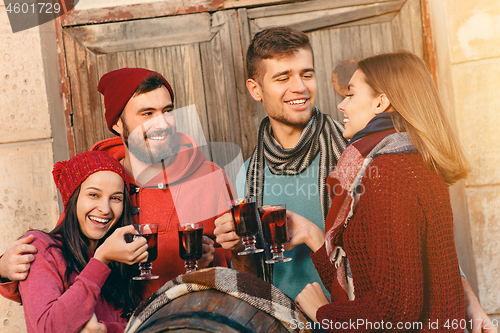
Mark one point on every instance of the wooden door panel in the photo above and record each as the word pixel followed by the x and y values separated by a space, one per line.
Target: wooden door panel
pixel 144 34
pixel 334 13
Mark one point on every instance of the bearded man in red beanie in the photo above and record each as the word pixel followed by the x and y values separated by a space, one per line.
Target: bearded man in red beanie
pixel 171 180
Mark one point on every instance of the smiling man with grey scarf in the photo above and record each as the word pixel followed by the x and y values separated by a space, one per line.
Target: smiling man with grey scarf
pixel 298 146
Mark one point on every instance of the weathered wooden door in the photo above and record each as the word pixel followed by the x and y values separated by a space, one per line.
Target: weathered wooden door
pixel 202 56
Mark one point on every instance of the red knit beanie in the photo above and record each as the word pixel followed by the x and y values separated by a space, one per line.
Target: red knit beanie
pixel 68 175
pixel 119 86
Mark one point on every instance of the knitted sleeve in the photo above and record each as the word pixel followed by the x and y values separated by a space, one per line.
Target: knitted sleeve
pixel 401 251
pixel 48 306
pixel 324 267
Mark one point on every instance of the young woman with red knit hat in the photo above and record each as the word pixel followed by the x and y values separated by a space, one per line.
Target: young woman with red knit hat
pixel 388 255
pixel 81 276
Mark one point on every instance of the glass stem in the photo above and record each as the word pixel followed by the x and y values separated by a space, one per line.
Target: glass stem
pixel 249 242
pixel 278 250
pixel 191 266
pixel 145 268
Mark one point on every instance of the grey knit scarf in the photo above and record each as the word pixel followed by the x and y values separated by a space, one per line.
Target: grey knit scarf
pixel 321 134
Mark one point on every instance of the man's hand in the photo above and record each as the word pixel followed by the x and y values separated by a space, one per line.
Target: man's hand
pixel 474 313
pixel 93 326
pixel 226 234
pixel 115 248
pixel 229 240
pixel 303 231
pixel 310 299
pixel 15 262
pixel 208 252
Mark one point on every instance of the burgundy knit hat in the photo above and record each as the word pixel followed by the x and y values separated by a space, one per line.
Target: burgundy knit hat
pixel 68 175
pixel 118 87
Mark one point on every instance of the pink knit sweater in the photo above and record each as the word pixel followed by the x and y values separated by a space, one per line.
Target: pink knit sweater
pixel 50 305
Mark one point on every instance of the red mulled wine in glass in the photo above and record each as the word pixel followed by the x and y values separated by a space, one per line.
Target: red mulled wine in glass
pixel 273 219
pixel 150 232
pixel 190 244
pixel 246 224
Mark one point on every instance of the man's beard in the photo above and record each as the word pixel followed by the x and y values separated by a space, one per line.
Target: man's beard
pixel 137 143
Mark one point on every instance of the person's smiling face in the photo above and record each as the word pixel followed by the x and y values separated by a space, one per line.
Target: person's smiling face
pixel 100 204
pixel 359 106
pixel 287 88
pixel 147 126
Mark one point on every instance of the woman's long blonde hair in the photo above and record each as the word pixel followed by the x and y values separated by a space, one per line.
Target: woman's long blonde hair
pixel 405 80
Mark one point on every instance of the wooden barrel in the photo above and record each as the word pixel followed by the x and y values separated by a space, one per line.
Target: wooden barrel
pixel 210 310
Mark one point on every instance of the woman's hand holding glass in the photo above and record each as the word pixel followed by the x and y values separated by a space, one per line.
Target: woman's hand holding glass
pixel 303 231
pixel 115 248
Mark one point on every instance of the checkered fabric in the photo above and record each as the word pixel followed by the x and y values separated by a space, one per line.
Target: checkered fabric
pixel 256 292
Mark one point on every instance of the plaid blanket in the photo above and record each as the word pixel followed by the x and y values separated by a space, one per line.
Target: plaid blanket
pixel 256 292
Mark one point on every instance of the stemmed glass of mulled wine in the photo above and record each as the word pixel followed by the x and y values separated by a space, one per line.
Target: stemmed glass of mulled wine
pixel 274 230
pixel 246 224
pixel 190 244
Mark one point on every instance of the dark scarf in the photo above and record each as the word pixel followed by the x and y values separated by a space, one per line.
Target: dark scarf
pixel 321 134
pixel 379 123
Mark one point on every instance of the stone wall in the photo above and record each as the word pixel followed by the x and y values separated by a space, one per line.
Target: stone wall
pixel 28 197
pixel 467 42
pixel 475 57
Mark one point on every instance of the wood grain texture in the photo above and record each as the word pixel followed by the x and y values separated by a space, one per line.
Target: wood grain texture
pixel 336 51
pixel 97 123
pixel 144 34
pixel 232 4
pixel 309 6
pixel 76 98
pixel 405 21
pixel 215 302
pixel 415 12
pixel 327 18
pixel 139 11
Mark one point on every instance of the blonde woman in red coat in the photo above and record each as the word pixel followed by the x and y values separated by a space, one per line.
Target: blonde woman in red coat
pixel 388 255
